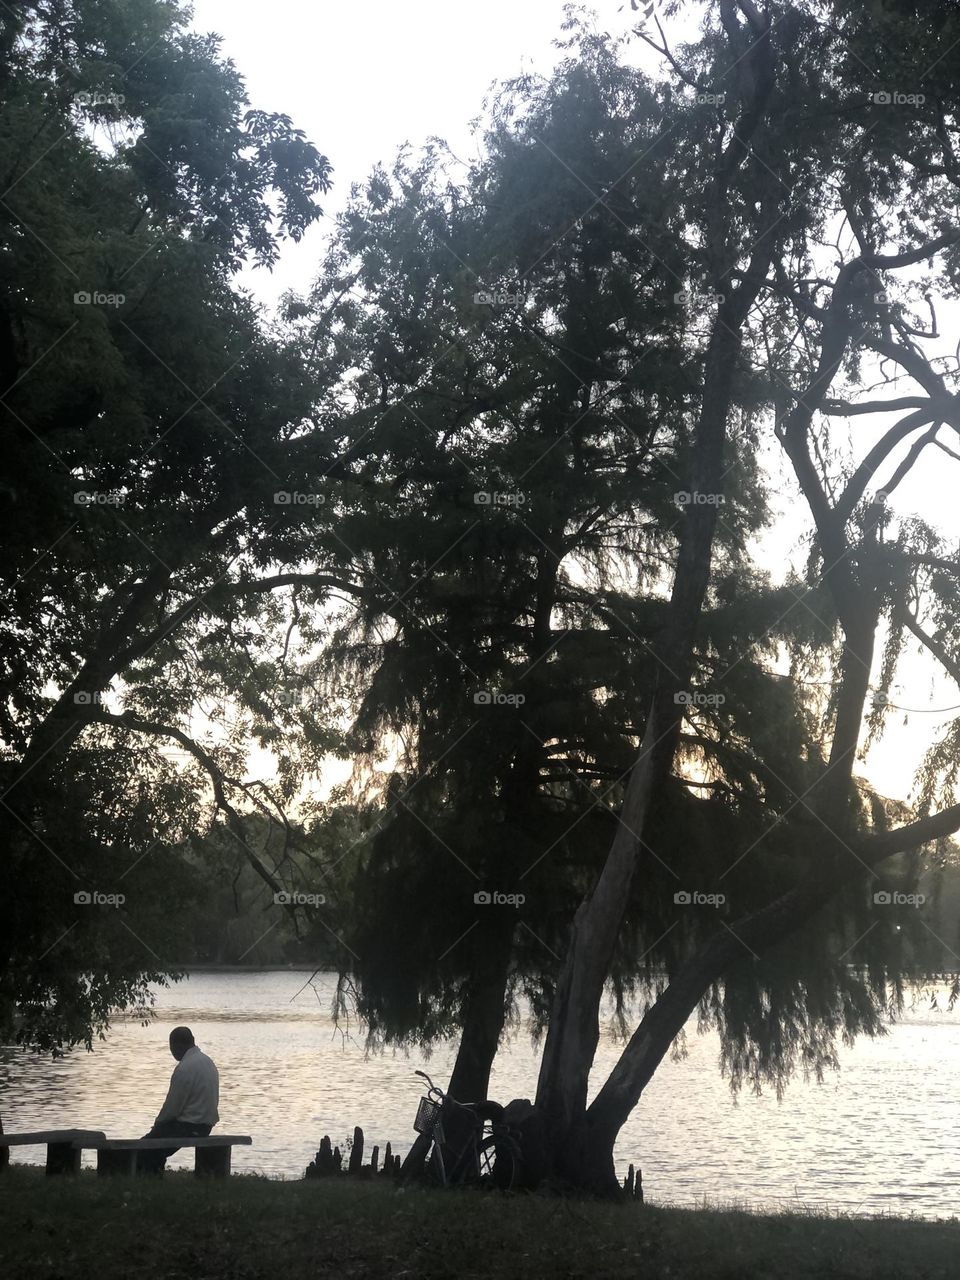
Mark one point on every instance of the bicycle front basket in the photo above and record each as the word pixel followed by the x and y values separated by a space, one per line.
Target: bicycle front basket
pixel 428 1117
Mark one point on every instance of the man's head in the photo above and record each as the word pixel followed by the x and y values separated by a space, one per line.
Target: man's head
pixel 181 1039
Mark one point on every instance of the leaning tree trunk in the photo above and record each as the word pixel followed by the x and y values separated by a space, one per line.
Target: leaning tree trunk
pixel 586 1157
pixel 574 1029
pixel 580 1152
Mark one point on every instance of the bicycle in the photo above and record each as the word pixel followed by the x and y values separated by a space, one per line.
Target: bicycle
pixel 489 1157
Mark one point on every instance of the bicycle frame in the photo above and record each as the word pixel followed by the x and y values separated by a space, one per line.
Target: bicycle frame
pixel 471 1143
pixel 467 1159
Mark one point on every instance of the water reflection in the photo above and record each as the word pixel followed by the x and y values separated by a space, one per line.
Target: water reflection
pixel 880 1137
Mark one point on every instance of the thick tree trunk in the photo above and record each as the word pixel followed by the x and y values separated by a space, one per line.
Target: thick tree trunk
pixel 483 1019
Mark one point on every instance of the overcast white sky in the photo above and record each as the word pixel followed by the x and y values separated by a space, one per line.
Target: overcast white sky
pixel 362 78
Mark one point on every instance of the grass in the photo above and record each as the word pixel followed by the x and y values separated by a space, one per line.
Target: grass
pixel 248 1227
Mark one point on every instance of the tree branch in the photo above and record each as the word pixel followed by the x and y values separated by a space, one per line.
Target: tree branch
pixel 950 665
pixel 857 484
pixel 220 781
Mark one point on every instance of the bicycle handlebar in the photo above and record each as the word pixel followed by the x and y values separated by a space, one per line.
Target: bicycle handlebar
pixel 437 1094
pixel 434 1092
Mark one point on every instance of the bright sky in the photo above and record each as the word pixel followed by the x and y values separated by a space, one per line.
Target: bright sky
pixel 363 78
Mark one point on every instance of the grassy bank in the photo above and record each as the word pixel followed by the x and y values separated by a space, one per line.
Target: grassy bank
pixel 248 1227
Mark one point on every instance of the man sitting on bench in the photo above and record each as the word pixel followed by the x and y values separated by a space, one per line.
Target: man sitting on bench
pixel 190 1109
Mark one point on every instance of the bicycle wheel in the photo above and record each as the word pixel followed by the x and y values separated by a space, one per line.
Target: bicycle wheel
pixel 499 1162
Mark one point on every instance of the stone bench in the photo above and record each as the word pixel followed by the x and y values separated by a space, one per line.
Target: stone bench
pixel 119 1155
pixel 63 1145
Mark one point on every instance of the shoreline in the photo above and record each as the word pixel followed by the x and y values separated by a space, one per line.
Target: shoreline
pixel 245 968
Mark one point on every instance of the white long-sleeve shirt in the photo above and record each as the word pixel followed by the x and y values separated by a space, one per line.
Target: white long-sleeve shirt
pixel 194 1090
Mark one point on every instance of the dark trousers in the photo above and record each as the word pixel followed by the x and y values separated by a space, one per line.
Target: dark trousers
pixel 153 1161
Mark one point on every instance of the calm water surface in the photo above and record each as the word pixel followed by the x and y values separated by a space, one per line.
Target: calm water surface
pixel 882 1136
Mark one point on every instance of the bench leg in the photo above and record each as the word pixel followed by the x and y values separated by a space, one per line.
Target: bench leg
pixel 213 1162
pixel 62 1157
pixel 112 1162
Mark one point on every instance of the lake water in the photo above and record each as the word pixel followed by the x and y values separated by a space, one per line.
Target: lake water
pixel 882 1136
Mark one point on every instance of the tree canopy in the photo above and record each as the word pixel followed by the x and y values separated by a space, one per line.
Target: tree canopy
pixel 142 396
pixel 483 505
